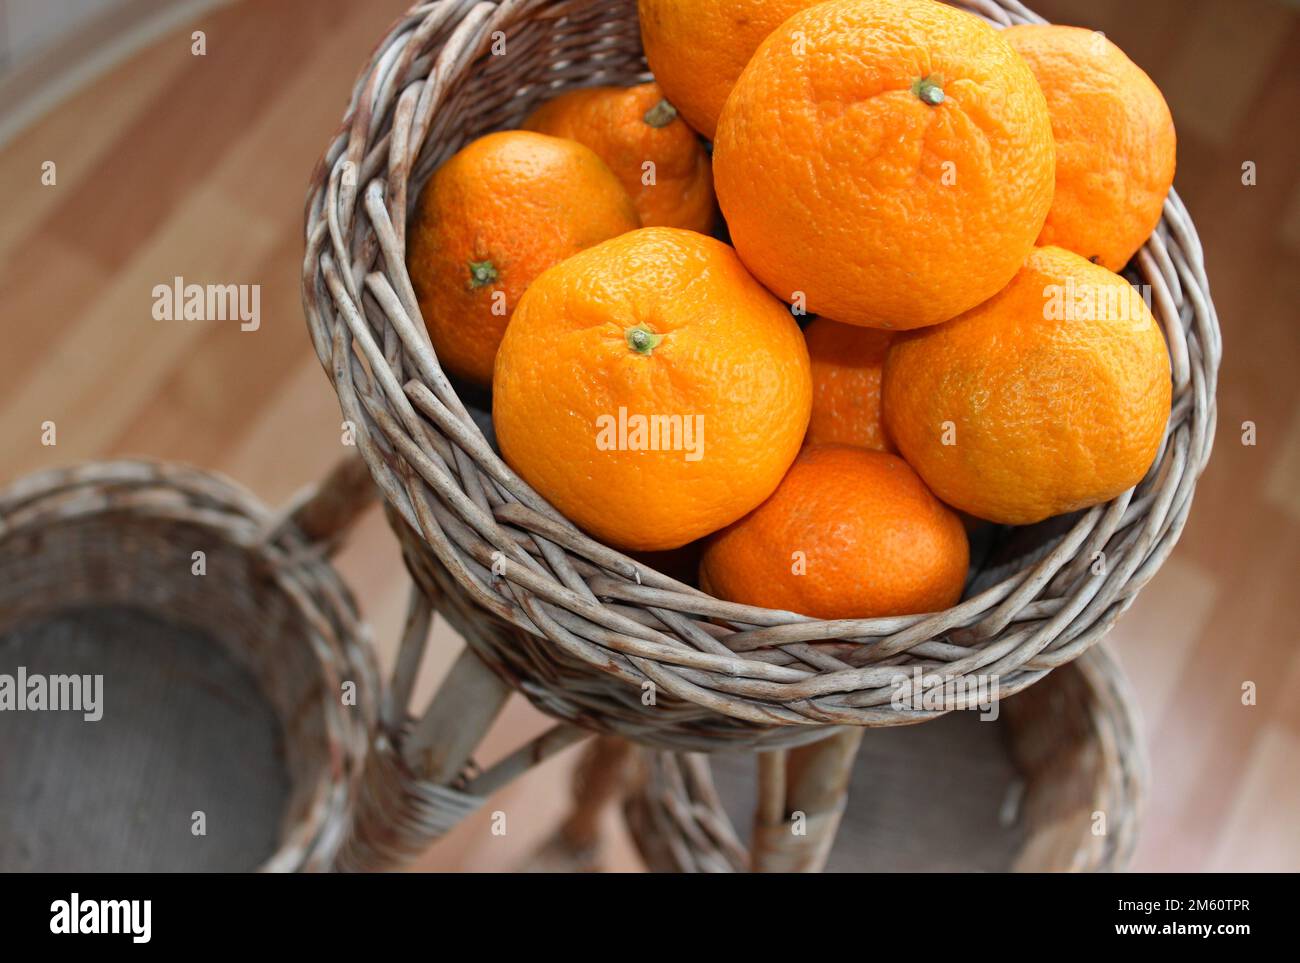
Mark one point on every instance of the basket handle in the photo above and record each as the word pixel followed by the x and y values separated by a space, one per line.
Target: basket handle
pixel 323 511
pixel 812 780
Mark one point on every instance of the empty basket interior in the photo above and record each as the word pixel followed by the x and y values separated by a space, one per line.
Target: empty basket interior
pixel 1052 784
pixel 216 747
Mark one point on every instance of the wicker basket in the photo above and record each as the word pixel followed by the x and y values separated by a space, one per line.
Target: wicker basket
pixel 1054 784
pixel 583 630
pixel 222 672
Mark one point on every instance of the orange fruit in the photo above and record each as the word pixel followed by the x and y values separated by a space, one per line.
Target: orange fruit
pixel 650 389
pixel 493 217
pixel 630 128
pixel 891 160
pixel 1115 142
pixel 697 48
pixel 847 362
pixel 1051 396
pixel 849 534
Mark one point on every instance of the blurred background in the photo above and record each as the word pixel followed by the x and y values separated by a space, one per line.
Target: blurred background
pixel 173 164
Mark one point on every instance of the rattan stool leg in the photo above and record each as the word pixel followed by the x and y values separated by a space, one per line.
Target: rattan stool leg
pixel 801 797
pixel 599 782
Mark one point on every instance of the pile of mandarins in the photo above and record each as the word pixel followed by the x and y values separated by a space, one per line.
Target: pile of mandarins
pixel 940 204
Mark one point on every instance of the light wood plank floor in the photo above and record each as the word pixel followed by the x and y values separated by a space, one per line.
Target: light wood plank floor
pixel 195 166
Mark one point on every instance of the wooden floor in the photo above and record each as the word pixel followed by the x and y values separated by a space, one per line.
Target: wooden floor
pixel 195 166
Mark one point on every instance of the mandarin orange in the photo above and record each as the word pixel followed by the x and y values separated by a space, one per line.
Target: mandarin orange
pixel 849 534
pixel 651 389
pixel 493 217
pixel 889 160
pixel 1115 142
pixel 697 48
pixel 660 161
pixel 847 362
pixel 1050 397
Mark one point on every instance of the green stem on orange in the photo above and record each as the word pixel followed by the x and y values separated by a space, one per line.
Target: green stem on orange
pixel 929 90
pixel 481 273
pixel 641 339
pixel 661 114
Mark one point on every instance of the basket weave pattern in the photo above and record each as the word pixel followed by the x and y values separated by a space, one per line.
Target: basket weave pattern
pixel 576 626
